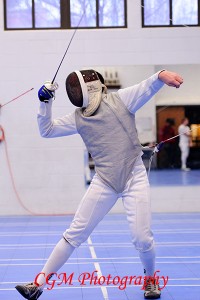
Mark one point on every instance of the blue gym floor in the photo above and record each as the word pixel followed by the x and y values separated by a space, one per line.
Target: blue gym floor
pixel 27 241
pixel 174 177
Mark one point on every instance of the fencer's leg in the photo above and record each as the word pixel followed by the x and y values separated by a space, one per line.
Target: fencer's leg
pixel 148 261
pixel 184 155
pixel 187 154
pixel 136 200
pixel 183 158
pixel 96 203
pixel 58 257
pixel 56 260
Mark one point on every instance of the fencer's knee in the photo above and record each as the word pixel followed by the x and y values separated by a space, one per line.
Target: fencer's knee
pixel 76 236
pixel 143 244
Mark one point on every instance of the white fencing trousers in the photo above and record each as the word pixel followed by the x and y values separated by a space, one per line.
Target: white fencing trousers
pixel 100 198
pixel 184 153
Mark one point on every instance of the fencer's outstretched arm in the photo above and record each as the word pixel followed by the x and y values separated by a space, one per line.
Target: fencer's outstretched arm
pixel 49 128
pixel 137 95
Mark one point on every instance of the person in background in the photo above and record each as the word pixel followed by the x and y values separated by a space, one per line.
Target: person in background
pixel 184 142
pixel 169 147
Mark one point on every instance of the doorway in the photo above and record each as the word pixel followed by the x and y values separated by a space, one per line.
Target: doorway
pixel 168 119
pixel 177 113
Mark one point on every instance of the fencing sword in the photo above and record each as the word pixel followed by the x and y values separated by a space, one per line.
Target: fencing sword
pixel 158 147
pixel 72 37
pixel 1 105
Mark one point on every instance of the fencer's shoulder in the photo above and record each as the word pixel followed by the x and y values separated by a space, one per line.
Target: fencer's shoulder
pixel 181 128
pixel 113 97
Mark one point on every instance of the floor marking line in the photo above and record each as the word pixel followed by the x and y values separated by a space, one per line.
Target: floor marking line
pixel 106 286
pixel 107 263
pixel 104 244
pixel 77 281
pixel 97 267
pixel 99 258
pixel 97 232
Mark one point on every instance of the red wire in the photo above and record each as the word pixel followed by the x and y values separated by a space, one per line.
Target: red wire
pixel 11 173
pixel 3 139
pixel 16 98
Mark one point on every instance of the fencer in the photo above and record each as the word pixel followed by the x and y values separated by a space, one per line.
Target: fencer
pixel 184 142
pixel 106 123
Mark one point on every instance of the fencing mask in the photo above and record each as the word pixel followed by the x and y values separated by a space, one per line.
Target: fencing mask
pixel 84 89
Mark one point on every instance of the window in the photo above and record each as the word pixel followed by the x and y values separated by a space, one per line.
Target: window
pixel 170 13
pixel 64 14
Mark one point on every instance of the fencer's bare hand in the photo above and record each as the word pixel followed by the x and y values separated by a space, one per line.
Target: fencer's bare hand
pixel 171 78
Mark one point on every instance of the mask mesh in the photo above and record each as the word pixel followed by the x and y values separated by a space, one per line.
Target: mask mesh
pixel 74 90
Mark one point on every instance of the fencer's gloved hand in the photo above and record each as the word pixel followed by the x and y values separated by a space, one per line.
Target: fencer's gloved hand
pixel 44 94
pixel 47 91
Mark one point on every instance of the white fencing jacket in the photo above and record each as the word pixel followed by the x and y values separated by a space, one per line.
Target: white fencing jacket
pixel 110 134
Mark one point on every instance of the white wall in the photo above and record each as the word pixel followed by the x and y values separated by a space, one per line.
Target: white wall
pixel 49 173
pixel 189 93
